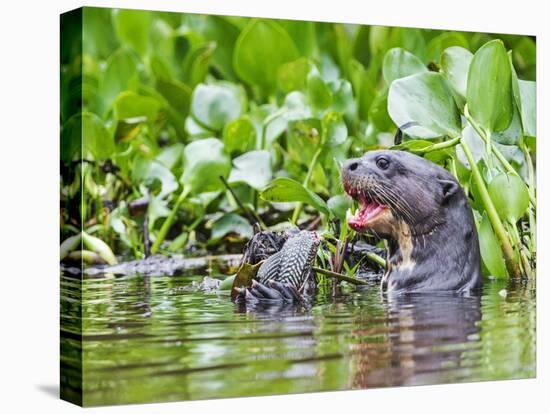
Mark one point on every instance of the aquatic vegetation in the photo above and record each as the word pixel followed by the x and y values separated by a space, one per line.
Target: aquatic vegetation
pixel 222 122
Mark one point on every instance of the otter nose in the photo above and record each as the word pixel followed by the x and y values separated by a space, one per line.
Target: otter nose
pixel 351 165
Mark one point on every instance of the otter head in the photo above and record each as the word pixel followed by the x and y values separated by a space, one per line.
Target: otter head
pixel 397 192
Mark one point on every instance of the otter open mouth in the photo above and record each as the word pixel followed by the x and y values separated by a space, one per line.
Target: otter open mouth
pixel 369 210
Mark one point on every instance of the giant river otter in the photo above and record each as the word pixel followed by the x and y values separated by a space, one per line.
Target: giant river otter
pixel 424 215
pixel 417 206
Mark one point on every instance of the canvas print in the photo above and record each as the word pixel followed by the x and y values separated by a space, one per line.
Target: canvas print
pixel 261 206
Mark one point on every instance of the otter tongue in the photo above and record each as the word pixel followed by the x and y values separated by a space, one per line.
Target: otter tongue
pixel 367 210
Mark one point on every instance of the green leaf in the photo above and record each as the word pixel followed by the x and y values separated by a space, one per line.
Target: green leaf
pixel 231 223
pixel 239 135
pixel 318 91
pixel 292 76
pixel 510 196
pixel 455 62
pixel 147 171
pixel 303 139
pixel 489 91
pixel 205 161
pixel 252 168
pixel 335 131
pixel 132 27
pixel 262 47
pixel 197 64
pixel 214 105
pixel 227 283
pixel 426 100
pixel 131 105
pixel 338 205
pixel 69 244
pixel 528 90
pixel 399 63
pixel 120 74
pixel 284 189
pixel 444 41
pixel 100 247
pixel 378 112
pixel 96 138
pixel 490 250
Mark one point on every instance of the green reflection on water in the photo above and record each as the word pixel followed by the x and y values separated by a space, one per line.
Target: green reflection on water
pixel 150 340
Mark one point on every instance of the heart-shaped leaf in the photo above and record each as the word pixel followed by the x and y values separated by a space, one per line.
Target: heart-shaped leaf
pixel 252 168
pixel 215 104
pixel 239 135
pixel 489 92
pixel 262 47
pixel 399 63
pixel 132 27
pixel 510 196
pixel 426 101
pixel 284 189
pixel 455 63
pixel 231 223
pixel 205 161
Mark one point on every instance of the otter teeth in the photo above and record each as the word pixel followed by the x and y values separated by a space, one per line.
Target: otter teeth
pixel 368 210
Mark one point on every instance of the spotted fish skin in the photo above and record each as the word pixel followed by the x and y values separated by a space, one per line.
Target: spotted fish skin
pixel 293 263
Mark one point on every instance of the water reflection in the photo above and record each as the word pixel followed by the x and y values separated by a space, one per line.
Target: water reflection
pixel 155 340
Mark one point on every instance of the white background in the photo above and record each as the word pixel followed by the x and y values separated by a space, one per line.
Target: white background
pixel 29 151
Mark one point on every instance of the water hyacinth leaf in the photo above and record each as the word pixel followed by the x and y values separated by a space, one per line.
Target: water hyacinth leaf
pixel 378 112
pixel 293 75
pixel 262 47
pixel 171 156
pixel 455 62
pixel 147 171
pixel 120 74
pixel 512 134
pixel 490 250
pixel 214 105
pixel 342 98
pixel 425 100
pixel 96 138
pixel 244 277
pixel 338 205
pixel 318 91
pixel 231 223
pixel 510 196
pixel 129 105
pixel 69 244
pixel 474 142
pixel 132 28
pixel 205 161
pixel 197 63
pixel 303 139
pixel 227 283
pixel 399 63
pixel 335 131
pixel 489 92
pixel 252 168
pixel 445 41
pixel 239 135
pixel 100 247
pixel 176 93
pixel 284 189
pixel 528 90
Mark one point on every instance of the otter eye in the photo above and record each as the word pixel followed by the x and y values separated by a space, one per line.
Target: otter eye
pixel 382 163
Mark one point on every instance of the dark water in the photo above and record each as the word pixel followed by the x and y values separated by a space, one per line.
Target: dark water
pixel 150 340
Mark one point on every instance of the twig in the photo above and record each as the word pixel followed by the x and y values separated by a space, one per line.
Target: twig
pixel 250 216
pixel 339 276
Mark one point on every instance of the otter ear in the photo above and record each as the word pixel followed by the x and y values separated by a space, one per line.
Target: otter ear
pixel 448 188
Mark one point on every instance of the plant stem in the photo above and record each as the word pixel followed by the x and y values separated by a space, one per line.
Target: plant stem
pixel 169 221
pixel 339 276
pixel 376 259
pixel 441 145
pixel 312 165
pixel 509 256
pixel 507 166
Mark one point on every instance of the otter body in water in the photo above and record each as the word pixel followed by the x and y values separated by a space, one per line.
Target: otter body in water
pixel 424 215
